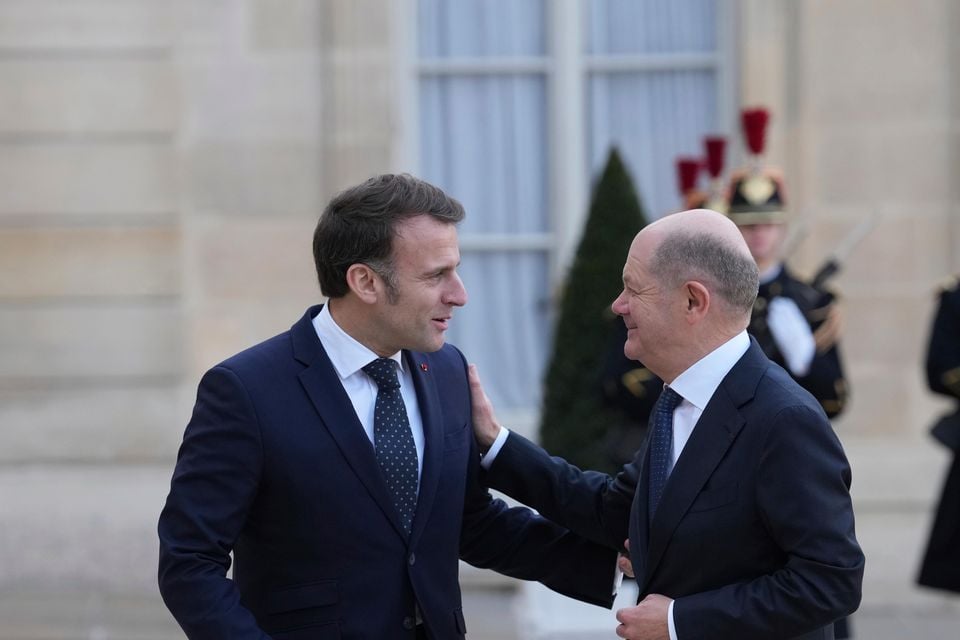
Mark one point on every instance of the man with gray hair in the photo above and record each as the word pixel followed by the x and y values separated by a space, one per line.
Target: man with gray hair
pixel 737 506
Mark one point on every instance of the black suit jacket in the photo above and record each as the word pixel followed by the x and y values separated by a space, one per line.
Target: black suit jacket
pixel 754 535
pixel 276 468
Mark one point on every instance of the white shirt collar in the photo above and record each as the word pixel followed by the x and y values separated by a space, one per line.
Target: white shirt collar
pixel 347 355
pixel 700 381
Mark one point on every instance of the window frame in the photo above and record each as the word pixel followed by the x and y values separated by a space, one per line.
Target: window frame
pixel 566 68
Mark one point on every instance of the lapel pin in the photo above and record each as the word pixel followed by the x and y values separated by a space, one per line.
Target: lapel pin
pixel 423 366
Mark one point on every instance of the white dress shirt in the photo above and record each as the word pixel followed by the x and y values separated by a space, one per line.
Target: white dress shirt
pixel 349 357
pixel 697 385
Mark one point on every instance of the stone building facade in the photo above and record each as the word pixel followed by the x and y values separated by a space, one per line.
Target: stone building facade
pixel 161 168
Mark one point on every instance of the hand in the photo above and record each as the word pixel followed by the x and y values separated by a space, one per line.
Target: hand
pixel 623 560
pixel 647 620
pixel 485 425
pixel 828 333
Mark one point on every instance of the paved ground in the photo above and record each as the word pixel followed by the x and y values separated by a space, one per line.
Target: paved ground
pixel 493 614
pixel 78 557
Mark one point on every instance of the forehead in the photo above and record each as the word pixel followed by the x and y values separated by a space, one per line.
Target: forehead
pixel 423 239
pixel 640 254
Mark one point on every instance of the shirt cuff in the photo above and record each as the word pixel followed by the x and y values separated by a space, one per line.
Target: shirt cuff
pixel 487 460
pixel 617 579
pixel 670 626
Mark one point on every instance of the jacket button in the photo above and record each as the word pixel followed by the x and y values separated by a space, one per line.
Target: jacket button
pixel 409 623
pixel 412 559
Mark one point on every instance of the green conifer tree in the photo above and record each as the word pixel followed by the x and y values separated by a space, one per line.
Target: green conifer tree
pixel 575 420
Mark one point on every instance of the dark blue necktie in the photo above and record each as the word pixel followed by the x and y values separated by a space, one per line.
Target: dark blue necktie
pixel 393 440
pixel 661 445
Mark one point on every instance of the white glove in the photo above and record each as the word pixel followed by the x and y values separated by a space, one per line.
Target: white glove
pixel 792 334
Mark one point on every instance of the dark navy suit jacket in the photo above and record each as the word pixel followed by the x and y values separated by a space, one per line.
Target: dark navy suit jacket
pixel 754 535
pixel 276 468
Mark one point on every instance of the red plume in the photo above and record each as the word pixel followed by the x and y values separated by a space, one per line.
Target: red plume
pixel 755 128
pixel 687 170
pixel 715 146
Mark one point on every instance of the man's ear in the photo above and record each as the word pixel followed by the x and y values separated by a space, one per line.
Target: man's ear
pixel 698 300
pixel 364 282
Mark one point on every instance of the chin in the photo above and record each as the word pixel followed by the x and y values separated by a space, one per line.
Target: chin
pixel 431 346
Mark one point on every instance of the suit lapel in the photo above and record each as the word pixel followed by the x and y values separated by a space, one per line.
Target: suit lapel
pixel 713 435
pixel 322 385
pixel 716 430
pixel 432 418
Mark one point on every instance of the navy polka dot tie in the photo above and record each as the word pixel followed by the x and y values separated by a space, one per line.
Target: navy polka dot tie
pixel 661 445
pixel 393 440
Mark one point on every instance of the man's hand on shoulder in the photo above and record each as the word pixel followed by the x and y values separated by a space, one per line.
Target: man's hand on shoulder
pixel 647 620
pixel 485 425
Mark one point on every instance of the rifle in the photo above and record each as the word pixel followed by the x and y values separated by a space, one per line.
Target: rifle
pixel 834 263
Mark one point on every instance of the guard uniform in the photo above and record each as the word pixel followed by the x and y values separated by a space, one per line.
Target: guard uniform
pixel 825 380
pixel 941 562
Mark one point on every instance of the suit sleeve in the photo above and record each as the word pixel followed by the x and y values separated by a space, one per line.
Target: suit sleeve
pixel 213 485
pixel 591 503
pixel 519 543
pixel 803 495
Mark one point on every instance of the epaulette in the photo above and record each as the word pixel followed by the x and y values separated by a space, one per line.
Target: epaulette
pixel 633 381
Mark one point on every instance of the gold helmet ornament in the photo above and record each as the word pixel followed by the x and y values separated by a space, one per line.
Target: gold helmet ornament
pixel 756 192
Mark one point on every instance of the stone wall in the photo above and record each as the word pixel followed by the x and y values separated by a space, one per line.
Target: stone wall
pixel 90 235
pixel 161 168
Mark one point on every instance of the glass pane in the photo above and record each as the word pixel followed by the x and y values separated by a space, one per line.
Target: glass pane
pixel 653 118
pixel 471 28
pixel 651 26
pixel 504 328
pixel 483 139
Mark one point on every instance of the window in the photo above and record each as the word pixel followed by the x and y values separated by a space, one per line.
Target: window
pixel 517 103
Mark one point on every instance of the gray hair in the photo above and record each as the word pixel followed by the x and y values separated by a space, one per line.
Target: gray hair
pixel 731 274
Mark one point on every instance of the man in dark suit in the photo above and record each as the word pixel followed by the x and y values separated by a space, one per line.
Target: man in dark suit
pixel 737 507
pixel 336 460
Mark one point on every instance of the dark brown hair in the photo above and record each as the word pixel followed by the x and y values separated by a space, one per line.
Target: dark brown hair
pixel 359 224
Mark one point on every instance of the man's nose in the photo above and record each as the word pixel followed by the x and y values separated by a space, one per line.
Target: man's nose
pixel 620 306
pixel 457 296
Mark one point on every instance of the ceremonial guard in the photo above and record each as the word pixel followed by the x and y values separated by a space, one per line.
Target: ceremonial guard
pixel 796 324
pixel 941 562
